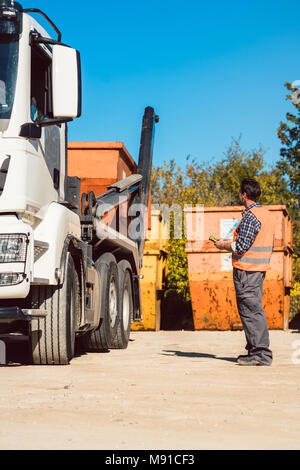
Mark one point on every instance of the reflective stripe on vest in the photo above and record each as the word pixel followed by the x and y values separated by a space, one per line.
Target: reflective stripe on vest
pixel 243 259
pixel 258 257
pixel 261 248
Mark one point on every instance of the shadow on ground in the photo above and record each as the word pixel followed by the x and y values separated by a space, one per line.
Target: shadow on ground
pixel 17 351
pixel 197 355
pixel 295 323
pixel 176 313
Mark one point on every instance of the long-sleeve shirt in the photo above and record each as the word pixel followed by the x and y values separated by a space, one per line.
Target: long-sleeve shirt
pixel 247 231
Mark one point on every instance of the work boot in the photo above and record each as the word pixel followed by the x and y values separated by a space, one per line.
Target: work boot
pixel 242 356
pixel 250 361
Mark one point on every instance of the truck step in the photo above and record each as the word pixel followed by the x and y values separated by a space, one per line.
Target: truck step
pixel 39 249
pixel 13 314
pixel 34 313
pixel 39 281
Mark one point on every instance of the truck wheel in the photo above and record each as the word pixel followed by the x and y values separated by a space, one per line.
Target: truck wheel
pixel 126 306
pixel 52 340
pixel 102 338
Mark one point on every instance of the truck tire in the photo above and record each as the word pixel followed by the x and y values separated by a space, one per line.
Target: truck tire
pixel 104 336
pixel 126 306
pixel 52 340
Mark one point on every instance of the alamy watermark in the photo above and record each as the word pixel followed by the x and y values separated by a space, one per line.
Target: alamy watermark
pixel 131 221
pixel 296 353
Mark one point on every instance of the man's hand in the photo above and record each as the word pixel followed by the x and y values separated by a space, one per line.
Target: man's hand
pixel 220 244
pixel 224 245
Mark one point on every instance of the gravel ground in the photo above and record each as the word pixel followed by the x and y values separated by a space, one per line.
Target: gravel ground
pixel 168 390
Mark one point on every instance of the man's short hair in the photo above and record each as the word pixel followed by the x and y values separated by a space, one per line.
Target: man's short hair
pixel 252 188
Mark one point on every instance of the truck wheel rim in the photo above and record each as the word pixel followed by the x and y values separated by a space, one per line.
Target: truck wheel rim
pixel 113 303
pixel 126 309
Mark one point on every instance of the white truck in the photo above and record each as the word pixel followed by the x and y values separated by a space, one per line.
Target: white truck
pixel 61 277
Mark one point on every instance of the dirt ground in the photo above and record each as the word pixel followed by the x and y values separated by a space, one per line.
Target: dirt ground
pixel 168 390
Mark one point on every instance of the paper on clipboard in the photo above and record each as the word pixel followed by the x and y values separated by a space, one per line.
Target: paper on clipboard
pixel 227 228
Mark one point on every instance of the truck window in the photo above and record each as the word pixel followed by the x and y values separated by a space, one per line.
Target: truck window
pixel 9 57
pixel 40 84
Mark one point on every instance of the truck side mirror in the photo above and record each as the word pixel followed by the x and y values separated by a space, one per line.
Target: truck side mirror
pixel 66 82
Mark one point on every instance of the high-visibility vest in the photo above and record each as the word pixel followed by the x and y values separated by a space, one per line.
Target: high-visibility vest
pixel 258 257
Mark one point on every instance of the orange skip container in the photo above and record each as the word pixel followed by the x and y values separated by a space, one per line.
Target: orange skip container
pixel 211 276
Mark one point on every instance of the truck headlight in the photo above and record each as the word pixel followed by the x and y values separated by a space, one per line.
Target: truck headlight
pixel 11 279
pixel 13 248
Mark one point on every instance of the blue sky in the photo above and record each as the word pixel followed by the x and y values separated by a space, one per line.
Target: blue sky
pixel 212 71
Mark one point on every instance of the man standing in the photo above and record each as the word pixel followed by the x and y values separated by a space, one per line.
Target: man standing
pixel 251 250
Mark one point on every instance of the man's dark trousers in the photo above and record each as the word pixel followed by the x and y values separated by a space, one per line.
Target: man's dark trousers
pixel 249 291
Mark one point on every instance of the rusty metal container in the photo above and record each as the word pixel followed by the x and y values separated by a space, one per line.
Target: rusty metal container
pixel 99 164
pixel 154 271
pixel 211 276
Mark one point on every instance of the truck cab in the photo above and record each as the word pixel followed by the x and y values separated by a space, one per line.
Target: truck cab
pixel 40 91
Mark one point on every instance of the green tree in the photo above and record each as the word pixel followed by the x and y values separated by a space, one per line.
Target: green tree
pixel 289 167
pixel 239 164
pixel 218 183
pixel 289 134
